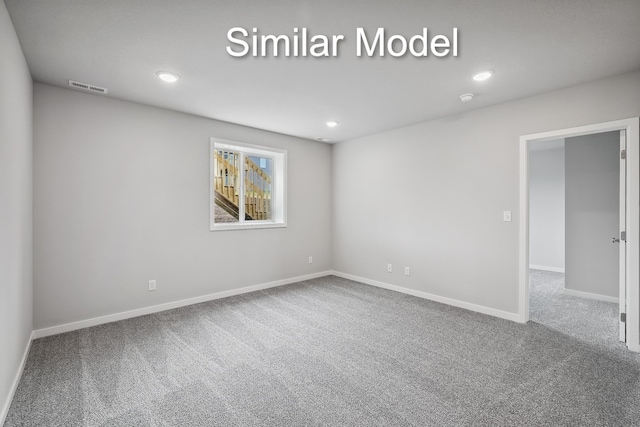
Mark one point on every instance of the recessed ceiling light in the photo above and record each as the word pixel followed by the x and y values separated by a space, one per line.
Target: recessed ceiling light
pixel 482 75
pixel 167 76
pixel 332 123
pixel 322 139
pixel 466 97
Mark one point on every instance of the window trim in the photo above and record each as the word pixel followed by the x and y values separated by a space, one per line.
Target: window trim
pixel 279 190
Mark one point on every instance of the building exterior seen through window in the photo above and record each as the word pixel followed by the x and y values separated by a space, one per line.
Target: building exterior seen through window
pixel 244 186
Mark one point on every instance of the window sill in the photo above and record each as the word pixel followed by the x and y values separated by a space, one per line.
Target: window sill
pixel 247 226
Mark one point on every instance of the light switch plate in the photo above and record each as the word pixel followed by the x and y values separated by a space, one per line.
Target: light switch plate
pixel 506 216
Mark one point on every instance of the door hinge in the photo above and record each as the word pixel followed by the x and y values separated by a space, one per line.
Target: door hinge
pixel 623 236
pixel 623 317
pixel 623 154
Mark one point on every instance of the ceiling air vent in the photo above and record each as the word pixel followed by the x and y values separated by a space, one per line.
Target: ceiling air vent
pixel 88 87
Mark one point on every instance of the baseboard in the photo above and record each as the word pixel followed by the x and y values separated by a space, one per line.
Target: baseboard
pixel 444 300
pixel 545 268
pixel 16 380
pixel 572 293
pixel 73 326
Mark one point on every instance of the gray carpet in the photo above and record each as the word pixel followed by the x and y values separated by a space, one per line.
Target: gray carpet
pixel 595 322
pixel 324 352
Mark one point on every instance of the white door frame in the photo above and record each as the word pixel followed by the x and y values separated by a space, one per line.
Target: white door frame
pixel 632 128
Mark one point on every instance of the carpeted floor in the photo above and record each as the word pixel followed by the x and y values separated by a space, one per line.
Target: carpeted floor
pixel 595 322
pixel 325 352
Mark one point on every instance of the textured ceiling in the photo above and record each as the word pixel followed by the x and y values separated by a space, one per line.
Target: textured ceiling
pixel 533 46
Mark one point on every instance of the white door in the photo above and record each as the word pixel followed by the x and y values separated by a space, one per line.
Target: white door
pixel 621 238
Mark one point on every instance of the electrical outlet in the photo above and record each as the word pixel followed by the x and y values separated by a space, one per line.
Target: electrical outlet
pixel 152 285
pixel 406 271
pixel 389 268
pixel 310 260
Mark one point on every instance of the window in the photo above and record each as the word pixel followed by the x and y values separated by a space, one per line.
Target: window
pixel 248 186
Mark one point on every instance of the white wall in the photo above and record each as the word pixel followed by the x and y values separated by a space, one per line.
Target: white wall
pixel 122 197
pixel 431 196
pixel 546 206
pixel 592 213
pixel 16 113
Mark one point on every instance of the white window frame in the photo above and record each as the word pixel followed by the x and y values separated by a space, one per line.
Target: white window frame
pixel 279 186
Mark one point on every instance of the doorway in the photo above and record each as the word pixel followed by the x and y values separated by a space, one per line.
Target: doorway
pixel 629 289
pixel 574 212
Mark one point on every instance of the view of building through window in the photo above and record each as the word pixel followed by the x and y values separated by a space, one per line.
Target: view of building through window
pixel 256 175
pixel 257 187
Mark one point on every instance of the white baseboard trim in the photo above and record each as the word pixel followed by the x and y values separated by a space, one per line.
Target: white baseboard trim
pixel 16 380
pixel 444 300
pixel 545 268
pixel 73 326
pixel 589 295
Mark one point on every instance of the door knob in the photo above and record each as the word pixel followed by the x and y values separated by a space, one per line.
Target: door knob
pixel 615 240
